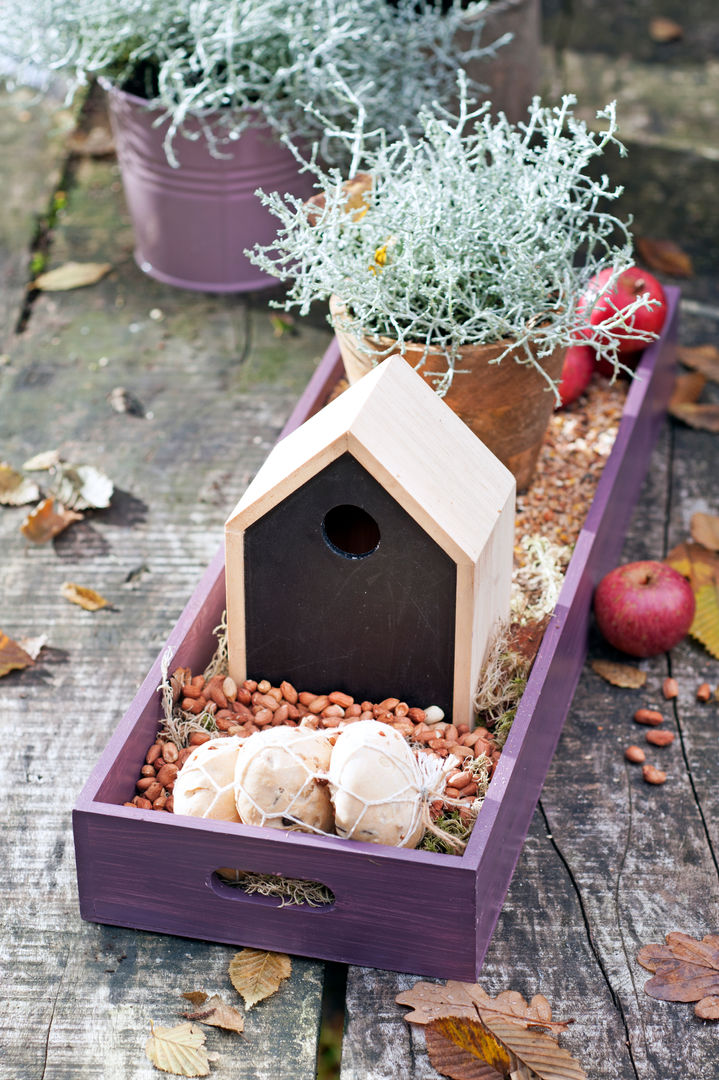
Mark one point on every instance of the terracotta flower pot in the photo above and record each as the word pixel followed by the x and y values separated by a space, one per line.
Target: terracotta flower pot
pixel 507 405
pixel 193 223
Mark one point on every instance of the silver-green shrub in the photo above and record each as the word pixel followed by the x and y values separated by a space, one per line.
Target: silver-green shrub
pixel 256 60
pixel 477 232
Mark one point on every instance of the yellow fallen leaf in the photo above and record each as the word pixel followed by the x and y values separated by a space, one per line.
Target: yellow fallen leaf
pixel 71 275
pixel 47 520
pixel 256 975
pixel 705 627
pixel 16 489
pixel 84 598
pixel 179 1050
pixel 12 656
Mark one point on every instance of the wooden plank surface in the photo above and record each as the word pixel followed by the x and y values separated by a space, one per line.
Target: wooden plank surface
pixel 610 863
pixel 218 385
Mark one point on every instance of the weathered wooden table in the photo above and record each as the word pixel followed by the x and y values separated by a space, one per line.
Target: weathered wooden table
pixel 610 863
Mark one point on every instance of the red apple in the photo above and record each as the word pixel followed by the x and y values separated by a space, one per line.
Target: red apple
pixel 579 366
pixel 630 284
pixel 644 608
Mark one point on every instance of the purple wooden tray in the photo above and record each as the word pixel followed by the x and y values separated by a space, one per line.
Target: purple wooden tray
pixel 155 871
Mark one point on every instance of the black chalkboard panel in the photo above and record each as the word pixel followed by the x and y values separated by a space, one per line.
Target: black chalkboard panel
pixel 345 591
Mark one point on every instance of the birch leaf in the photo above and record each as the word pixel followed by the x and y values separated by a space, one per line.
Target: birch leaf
pixel 216 1013
pixel 84 598
pixel 474 1038
pixel 624 675
pixel 453 1061
pixel 705 530
pixel 71 275
pixel 16 489
pixel 196 997
pixel 179 1050
pixel 12 655
pixel 82 487
pixel 256 975
pixel 663 30
pixel 47 520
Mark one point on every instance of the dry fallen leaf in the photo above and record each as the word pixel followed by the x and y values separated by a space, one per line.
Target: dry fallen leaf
pixel 84 598
pixel 16 489
pixel 705 530
pixel 13 657
pixel 687 389
pixel 256 975
pixel 47 520
pixel 216 1013
pixel 122 401
pixel 46 459
pixel 179 1050
pixel 701 567
pixel 429 1001
pixel 510 1048
pixel 625 675
pixel 684 970
pixel 701 417
pixel 71 275
pixel 663 30
pixel 703 358
pixel 33 646
pixel 664 256
pixel 81 487
pixel 453 1061
pixel 196 997
pixel 97 142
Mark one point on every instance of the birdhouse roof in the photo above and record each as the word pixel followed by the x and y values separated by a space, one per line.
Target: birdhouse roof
pixel 411 442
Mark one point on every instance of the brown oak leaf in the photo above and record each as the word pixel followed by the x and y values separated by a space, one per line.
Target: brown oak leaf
pixel 624 675
pixel 430 1001
pixel 685 969
pixel 12 656
pixel 702 358
pixel 256 975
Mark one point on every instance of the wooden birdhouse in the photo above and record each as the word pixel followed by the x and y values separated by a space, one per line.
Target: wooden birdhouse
pixel 372 553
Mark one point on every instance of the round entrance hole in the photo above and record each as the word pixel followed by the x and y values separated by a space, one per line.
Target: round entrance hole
pixel 350 531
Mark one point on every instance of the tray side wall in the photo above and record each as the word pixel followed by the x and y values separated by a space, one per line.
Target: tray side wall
pixel 376 890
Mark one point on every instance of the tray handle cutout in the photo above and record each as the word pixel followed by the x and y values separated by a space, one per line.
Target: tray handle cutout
pixel 273 890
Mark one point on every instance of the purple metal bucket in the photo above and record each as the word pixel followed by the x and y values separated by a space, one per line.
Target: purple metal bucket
pixel 193 223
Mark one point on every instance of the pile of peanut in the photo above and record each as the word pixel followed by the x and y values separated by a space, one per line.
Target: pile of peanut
pixel 245 709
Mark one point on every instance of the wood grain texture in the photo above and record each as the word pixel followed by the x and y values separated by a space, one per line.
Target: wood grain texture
pixel 78 997
pixel 610 863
